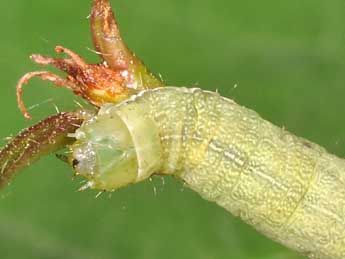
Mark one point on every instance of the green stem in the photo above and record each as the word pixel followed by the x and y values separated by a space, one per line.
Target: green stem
pixel 113 50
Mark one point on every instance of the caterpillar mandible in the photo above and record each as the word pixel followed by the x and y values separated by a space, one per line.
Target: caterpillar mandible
pixel 286 187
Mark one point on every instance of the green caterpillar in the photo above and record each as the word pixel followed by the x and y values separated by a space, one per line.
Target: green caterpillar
pixel 288 188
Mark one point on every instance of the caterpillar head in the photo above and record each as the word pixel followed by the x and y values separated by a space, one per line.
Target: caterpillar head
pixel 116 148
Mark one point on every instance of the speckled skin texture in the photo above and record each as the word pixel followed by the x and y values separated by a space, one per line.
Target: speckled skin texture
pixel 288 188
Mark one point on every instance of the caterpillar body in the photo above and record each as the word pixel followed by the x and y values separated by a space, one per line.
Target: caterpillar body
pixel 288 188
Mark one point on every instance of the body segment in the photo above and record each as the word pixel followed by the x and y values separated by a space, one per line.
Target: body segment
pixel 286 187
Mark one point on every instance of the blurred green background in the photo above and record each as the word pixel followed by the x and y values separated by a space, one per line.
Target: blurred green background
pixel 286 59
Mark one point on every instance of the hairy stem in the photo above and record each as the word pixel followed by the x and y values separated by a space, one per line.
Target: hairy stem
pixel 32 143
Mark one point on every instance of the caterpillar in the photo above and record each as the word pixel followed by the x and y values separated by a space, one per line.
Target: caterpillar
pixel 286 187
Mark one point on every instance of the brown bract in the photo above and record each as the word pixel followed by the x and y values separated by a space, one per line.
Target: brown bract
pixel 119 75
pixel 94 82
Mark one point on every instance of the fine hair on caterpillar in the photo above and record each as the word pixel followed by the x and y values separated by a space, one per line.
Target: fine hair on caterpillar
pixel 281 184
pixel 286 187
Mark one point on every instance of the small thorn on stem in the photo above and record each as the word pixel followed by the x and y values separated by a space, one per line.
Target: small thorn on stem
pixel 99 194
pixel 86 186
